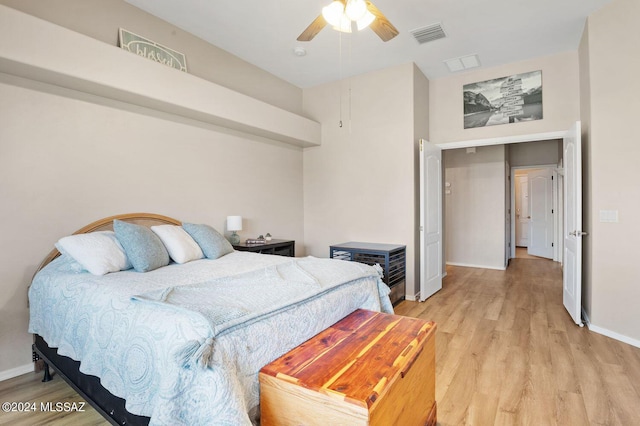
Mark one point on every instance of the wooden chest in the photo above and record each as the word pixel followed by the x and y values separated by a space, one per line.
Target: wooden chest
pixel 367 369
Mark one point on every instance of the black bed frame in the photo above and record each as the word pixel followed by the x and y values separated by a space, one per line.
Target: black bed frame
pixel 111 407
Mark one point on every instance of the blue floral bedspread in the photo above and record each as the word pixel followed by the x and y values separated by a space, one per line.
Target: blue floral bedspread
pixel 131 329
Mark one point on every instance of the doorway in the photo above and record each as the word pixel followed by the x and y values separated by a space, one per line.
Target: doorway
pixel 569 167
pixel 535 228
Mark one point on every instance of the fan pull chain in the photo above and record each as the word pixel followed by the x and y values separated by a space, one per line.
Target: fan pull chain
pixel 351 77
pixel 340 77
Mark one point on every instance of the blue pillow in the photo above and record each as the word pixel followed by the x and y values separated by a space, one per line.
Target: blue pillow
pixel 144 249
pixel 212 243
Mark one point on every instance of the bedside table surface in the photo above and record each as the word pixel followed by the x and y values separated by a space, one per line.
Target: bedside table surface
pixel 266 244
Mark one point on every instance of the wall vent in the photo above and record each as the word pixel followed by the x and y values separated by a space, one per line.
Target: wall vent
pixel 429 33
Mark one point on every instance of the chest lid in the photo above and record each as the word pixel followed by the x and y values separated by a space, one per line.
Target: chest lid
pixel 357 358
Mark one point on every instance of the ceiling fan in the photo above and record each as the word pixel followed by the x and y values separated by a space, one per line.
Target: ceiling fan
pixel 341 14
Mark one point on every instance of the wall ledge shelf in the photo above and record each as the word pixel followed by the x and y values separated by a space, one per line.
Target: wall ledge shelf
pixel 38 50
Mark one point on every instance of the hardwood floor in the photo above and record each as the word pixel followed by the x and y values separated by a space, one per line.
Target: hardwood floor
pixel 523 253
pixel 29 388
pixel 507 354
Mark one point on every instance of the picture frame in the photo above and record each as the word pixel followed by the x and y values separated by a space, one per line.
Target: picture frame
pixel 151 50
pixel 504 100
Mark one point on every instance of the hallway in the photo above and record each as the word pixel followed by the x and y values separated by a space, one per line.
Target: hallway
pixel 507 353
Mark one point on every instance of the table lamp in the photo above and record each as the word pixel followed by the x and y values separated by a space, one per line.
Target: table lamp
pixel 234 223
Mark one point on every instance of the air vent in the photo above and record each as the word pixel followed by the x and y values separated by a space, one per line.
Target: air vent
pixel 429 33
pixel 463 63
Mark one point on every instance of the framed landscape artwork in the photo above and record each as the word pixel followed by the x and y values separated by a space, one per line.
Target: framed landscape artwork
pixel 503 100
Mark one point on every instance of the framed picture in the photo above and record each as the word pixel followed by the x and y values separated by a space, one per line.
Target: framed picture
pixel 503 100
pixel 151 50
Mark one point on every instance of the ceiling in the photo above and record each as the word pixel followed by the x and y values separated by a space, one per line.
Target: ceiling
pixel 264 32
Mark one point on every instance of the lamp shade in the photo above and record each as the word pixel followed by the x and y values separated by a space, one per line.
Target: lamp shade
pixel 365 21
pixel 333 13
pixel 234 223
pixel 355 9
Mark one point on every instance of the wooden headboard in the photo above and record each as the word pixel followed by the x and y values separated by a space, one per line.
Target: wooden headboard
pixel 106 224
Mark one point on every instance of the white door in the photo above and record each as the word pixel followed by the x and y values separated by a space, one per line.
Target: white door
pixel 430 219
pixel 522 210
pixel 541 211
pixel 507 227
pixel 572 270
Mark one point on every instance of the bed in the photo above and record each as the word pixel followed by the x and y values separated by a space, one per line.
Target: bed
pixel 183 344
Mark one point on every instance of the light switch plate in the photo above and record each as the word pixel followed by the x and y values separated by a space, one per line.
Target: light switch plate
pixel 609 216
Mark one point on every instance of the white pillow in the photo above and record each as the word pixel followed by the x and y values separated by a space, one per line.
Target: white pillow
pixel 97 252
pixel 181 247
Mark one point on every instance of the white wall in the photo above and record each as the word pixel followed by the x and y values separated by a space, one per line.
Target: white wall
pixel 475 207
pixel 359 184
pixel 613 275
pixel 560 97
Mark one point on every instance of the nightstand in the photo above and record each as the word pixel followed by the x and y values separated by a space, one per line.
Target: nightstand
pixel 278 247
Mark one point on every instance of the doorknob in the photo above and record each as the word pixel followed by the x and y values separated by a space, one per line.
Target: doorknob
pixel 578 233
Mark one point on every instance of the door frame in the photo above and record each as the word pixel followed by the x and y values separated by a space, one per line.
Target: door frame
pixel 557 233
pixel 504 140
pixel 507 140
pixel 534 137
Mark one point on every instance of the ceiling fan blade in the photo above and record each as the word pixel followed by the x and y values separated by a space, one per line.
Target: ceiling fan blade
pixel 381 25
pixel 313 29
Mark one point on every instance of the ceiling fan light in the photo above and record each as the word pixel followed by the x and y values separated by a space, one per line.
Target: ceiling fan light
pixel 333 13
pixel 365 21
pixel 356 9
pixel 344 25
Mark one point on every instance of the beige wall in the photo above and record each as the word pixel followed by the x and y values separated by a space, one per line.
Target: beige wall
pixel 359 185
pixel 613 87
pixel 65 163
pixel 101 20
pixel 560 97
pixel 67 159
pixel 475 208
pixel 535 153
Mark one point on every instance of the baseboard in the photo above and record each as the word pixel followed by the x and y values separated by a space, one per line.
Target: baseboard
pixel 15 372
pixel 467 265
pixel 416 297
pixel 413 298
pixel 612 334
